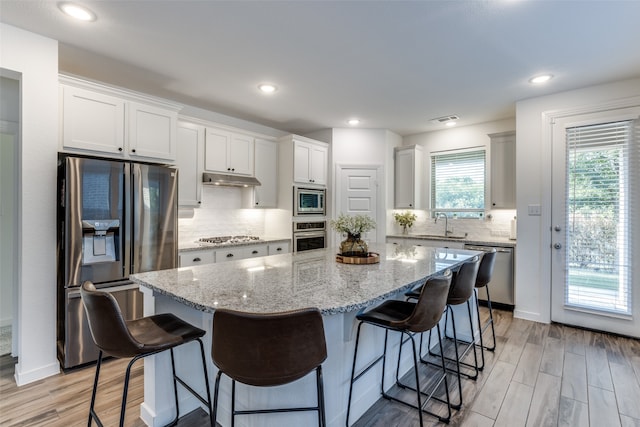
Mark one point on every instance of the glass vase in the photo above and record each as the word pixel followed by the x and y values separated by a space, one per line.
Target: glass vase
pixel 353 246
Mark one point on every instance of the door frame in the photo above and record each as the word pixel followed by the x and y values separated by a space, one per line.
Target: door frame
pixel 13 128
pixel 381 223
pixel 549 119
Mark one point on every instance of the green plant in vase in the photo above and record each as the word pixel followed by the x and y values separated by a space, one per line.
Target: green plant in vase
pixel 353 227
pixel 405 220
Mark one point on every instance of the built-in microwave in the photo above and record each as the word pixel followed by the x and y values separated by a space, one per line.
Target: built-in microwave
pixel 308 201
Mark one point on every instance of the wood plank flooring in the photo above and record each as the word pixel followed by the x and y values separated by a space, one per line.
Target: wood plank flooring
pixel 540 375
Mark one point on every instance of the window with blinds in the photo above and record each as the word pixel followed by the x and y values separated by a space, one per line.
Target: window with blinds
pixel 600 207
pixel 458 183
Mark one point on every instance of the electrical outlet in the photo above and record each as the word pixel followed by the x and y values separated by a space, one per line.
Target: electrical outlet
pixel 535 210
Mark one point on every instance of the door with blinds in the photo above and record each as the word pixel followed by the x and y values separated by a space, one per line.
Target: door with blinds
pixel 595 216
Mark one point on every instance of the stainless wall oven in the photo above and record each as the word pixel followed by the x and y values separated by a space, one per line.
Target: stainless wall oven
pixel 309 235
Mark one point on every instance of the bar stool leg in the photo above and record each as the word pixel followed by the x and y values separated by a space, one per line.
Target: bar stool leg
pixel 125 391
pixel 322 422
pixel 175 389
pixel 206 382
pixel 92 414
pixel 353 373
pixel 216 390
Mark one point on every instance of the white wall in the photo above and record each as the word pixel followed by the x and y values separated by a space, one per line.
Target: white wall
pixel 497 223
pixel 370 147
pixel 533 186
pixel 36 59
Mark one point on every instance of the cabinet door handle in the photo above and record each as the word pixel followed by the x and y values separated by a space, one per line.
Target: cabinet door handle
pixel 120 148
pixel 197 259
pixel 133 150
pixel 229 255
pixel 228 169
pixel 254 252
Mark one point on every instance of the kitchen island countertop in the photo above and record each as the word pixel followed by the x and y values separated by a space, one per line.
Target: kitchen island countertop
pixel 280 283
pixel 305 279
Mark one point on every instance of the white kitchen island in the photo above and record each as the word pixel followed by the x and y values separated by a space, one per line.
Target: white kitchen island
pixel 281 283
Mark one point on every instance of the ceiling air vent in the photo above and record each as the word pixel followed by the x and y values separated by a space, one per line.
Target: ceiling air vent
pixel 445 119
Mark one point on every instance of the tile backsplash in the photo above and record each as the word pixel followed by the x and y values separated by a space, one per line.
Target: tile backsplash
pixel 497 224
pixel 221 214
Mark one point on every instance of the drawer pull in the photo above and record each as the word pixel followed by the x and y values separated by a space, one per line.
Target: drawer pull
pixel 279 249
pixel 197 259
pixel 254 252
pixel 229 255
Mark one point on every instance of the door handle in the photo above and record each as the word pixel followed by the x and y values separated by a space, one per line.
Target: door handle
pixel 557 228
pixel 557 246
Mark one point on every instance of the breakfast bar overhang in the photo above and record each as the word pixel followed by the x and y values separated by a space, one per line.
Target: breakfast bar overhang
pixel 282 283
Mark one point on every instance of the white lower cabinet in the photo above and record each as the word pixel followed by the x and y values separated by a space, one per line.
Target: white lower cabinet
pixel 207 256
pixel 256 251
pixel 230 254
pixel 278 248
pixel 425 242
pixel 190 258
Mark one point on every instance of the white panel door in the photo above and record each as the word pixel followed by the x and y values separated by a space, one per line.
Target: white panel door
pixel 359 195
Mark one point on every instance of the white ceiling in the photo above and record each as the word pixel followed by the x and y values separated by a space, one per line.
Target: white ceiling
pixel 393 64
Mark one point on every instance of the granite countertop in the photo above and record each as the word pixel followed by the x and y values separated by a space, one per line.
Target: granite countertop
pixel 196 246
pixel 490 241
pixel 304 279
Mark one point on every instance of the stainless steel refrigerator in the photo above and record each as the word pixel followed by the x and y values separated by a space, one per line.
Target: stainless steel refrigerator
pixel 114 218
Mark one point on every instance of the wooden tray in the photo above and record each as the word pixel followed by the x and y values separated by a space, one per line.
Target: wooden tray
pixel 372 258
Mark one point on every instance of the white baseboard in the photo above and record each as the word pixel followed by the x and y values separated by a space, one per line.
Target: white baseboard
pixel 529 315
pixel 23 378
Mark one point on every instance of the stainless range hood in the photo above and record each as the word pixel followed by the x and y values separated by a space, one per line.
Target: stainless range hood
pixel 229 180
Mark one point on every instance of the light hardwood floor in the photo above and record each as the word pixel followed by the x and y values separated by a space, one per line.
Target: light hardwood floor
pixel 539 375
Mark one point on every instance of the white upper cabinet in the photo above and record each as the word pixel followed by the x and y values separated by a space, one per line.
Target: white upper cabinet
pixel 266 171
pixel 92 121
pixel 152 132
pixel 409 178
pixel 503 170
pixel 109 121
pixel 228 152
pixel 189 162
pixel 310 162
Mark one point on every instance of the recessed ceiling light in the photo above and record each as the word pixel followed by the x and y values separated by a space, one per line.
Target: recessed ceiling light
pixel 451 123
pixel 353 122
pixel 267 88
pixel 542 78
pixel 76 11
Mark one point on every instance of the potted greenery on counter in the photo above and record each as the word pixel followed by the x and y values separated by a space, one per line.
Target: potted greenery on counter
pixel 353 227
pixel 405 220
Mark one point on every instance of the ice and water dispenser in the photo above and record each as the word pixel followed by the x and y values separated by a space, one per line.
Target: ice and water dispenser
pixel 99 239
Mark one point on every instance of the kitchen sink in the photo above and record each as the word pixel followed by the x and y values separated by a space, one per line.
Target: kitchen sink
pixel 440 236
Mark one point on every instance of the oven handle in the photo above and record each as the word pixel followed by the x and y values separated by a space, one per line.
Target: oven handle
pixel 299 234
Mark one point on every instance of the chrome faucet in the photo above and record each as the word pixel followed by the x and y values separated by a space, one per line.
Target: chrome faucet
pixel 446 222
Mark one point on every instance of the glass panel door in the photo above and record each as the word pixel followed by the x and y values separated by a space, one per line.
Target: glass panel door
pixel 595 198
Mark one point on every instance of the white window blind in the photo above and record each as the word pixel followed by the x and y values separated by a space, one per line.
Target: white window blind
pixel 602 171
pixel 458 183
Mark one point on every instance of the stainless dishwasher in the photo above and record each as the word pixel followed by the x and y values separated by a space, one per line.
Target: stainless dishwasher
pixel 501 285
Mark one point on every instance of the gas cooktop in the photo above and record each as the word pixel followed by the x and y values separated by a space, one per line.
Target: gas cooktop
pixel 218 240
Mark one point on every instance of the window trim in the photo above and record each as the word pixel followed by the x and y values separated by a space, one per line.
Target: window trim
pixel 460 151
